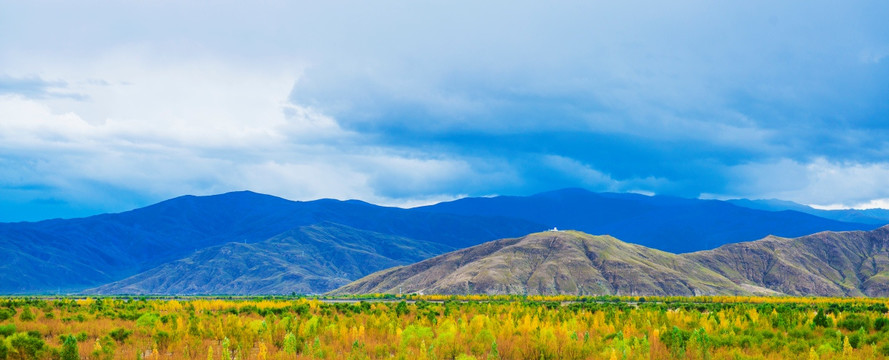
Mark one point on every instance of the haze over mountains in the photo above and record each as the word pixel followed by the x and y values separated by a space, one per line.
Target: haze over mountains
pixel 866 216
pixel 854 263
pixel 243 242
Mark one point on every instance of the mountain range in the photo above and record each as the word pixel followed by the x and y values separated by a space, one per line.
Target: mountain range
pixel 854 263
pixel 77 254
pixel 249 243
pixel 666 223
pixel 864 216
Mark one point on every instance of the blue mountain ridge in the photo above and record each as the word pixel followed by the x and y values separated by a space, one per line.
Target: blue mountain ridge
pixel 667 223
pixel 71 255
pixel 864 216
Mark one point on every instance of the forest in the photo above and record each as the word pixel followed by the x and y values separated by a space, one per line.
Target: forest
pixel 443 327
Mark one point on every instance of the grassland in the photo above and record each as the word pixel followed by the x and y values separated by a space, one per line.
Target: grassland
pixel 444 327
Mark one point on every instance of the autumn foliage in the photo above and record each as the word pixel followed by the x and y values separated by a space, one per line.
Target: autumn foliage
pixel 445 327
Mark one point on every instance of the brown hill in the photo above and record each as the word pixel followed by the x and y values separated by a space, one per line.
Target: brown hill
pixel 850 263
pixel 563 262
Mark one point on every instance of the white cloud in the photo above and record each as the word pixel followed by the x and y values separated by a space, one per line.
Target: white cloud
pixel 200 127
pixel 873 204
pixel 820 182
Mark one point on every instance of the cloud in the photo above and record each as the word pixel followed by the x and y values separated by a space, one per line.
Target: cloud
pixel 35 87
pixel 207 138
pixel 820 182
pixel 433 100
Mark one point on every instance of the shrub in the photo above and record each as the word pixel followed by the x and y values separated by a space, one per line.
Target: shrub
pixel 881 323
pixel 6 330
pixel 120 334
pixel 676 340
pixel 291 346
pixel 163 339
pixel 27 315
pixel 147 320
pixel 26 345
pixel 69 348
pixel 822 320
pixel 6 313
pixel 884 349
pixel 854 322
pixel 857 338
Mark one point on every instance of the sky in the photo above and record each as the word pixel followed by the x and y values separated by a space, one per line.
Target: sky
pixel 106 106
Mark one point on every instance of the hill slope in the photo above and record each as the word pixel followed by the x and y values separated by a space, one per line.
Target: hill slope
pixel 307 260
pixel 851 263
pixel 662 222
pixel 75 254
pixel 563 262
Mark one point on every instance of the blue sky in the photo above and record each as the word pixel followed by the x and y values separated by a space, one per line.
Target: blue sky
pixel 111 106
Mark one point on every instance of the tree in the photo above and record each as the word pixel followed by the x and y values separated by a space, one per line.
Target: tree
pixel 290 343
pixel 120 334
pixel 26 346
pixel 822 320
pixel 69 348
pixel 27 315
pixel 7 330
pixel 6 313
pixel 4 351
pixel 494 354
pixel 226 353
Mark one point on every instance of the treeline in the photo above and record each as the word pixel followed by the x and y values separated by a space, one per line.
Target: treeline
pixel 445 327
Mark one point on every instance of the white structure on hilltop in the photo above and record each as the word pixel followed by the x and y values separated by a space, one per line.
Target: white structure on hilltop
pixel 554 229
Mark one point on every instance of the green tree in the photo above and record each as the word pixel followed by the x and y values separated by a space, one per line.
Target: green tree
pixel 27 315
pixel 104 348
pixel 676 340
pixel 702 342
pixel 26 346
pixel 4 351
pixel 163 340
pixel 401 308
pixel 290 343
pixel 6 313
pixel 226 353
pixel 120 334
pixel 69 348
pixel 494 354
pixel 7 330
pixel 881 323
pixel 822 320
pixel 147 320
